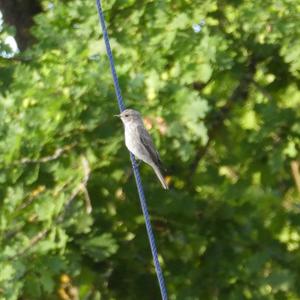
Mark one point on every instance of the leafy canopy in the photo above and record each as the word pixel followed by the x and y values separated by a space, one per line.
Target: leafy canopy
pixel 223 108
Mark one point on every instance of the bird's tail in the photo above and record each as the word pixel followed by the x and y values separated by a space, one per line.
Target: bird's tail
pixel 158 173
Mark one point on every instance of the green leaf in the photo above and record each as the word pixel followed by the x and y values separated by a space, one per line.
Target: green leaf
pixel 100 247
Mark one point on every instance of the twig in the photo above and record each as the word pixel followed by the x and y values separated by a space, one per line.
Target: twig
pixel 33 241
pixel 296 173
pixel 199 154
pixel 263 91
pixel 88 204
pixel 32 196
pixel 199 86
pixel 81 187
pixel 58 152
pixel 83 184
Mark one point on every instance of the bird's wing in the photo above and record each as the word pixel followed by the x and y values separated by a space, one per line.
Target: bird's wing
pixel 146 141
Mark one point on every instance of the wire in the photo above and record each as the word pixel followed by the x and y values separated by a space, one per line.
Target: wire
pixel 137 176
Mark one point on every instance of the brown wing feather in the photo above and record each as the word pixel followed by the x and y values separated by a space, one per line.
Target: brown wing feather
pixel 148 144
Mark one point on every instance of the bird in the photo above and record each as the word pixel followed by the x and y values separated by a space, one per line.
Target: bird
pixel 139 142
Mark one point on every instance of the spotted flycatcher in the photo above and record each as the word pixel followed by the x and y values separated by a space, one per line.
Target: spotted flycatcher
pixel 139 142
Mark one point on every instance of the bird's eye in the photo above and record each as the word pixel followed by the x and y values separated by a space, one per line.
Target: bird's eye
pixel 126 116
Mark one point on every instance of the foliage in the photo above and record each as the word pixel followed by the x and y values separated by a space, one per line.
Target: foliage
pixel 223 105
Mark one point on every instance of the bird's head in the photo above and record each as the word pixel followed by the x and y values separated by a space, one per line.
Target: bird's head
pixel 129 115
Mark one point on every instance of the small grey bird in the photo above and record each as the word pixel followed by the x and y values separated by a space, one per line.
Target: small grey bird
pixel 139 142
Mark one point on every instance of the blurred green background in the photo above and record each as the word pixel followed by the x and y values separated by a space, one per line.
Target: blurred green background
pixel 223 107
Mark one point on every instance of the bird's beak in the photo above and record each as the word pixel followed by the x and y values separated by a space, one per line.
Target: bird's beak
pixel 119 116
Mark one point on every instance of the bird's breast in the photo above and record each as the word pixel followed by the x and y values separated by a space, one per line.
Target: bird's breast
pixel 130 138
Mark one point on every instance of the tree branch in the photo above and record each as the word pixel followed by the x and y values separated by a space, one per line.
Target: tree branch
pixel 240 93
pixel 81 187
pixel 58 152
pixel 33 241
pixel 32 196
pixel 296 173
pixel 262 90
pixel 20 15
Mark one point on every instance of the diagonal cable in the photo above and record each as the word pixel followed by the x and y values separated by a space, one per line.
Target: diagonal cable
pixel 133 161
